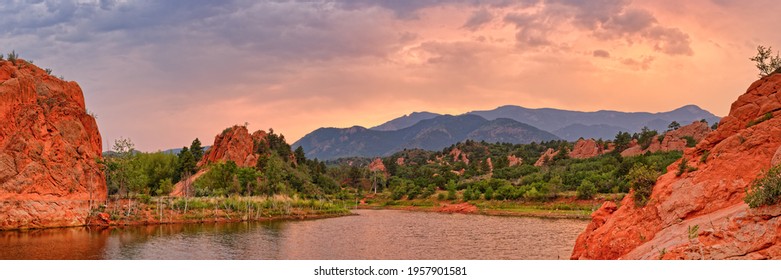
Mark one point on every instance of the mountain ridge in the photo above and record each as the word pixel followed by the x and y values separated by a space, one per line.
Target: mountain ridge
pixel 430 134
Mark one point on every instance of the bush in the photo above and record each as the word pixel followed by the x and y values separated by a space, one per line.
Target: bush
pixel 764 117
pixel 451 192
pixel 765 190
pixel 690 142
pixel 765 61
pixel 586 190
pixel 641 180
pixel 489 193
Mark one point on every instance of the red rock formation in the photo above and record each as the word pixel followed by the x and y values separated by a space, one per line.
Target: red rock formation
pixel 710 197
pixel 237 145
pixel 586 149
pixel 675 141
pixel 400 161
pixel 634 149
pixel 49 147
pixel 546 156
pixel 459 155
pixel 512 160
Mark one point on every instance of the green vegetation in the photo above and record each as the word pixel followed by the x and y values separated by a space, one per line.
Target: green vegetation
pixel 690 142
pixel 642 179
pixel 13 56
pixel 674 126
pixel 766 63
pixel 761 119
pixel 457 179
pixel 766 189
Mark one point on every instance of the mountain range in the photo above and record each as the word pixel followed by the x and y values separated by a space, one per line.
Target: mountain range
pixel 511 124
pixel 429 134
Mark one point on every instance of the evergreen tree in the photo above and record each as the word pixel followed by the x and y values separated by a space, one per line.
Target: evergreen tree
pixel 300 156
pixel 187 163
pixel 196 150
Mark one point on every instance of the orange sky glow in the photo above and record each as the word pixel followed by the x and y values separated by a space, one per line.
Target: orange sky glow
pixel 189 72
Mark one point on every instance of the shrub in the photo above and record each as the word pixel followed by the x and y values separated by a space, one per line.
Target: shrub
pixel 451 192
pixel 765 61
pixel 586 190
pixel 489 193
pixel 766 189
pixel 764 117
pixel 704 157
pixel 690 142
pixel 682 167
pixel 12 56
pixel 641 180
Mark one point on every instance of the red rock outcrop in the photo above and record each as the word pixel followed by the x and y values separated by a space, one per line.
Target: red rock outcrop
pixel 586 149
pixel 710 198
pixel 459 155
pixel 512 160
pixel 675 141
pixel 49 151
pixel 546 156
pixel 237 145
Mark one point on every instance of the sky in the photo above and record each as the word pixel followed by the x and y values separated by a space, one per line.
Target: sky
pixel 165 72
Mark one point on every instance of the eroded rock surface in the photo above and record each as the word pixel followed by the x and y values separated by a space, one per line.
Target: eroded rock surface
pixel 49 151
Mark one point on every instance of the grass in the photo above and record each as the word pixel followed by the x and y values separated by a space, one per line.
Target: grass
pixel 157 209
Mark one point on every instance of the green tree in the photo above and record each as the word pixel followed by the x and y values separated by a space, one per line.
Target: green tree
pixel 300 155
pixel 187 163
pixel 765 61
pixel 673 126
pixel 622 141
pixel 586 190
pixel 196 149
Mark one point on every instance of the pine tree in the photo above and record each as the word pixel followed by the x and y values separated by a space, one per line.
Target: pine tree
pixel 196 150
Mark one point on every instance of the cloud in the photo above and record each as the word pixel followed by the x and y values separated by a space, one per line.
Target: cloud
pixel 643 63
pixel 670 41
pixel 601 53
pixel 531 30
pixel 478 19
pixel 605 20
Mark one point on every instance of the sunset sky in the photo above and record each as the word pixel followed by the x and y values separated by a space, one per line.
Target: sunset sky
pixel 165 72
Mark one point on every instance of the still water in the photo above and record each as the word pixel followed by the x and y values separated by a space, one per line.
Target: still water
pixel 372 234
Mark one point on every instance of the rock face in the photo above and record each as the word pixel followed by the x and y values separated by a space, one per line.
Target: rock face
pixel 49 148
pixel 586 149
pixel 710 198
pixel 512 160
pixel 546 156
pixel 674 140
pixel 237 145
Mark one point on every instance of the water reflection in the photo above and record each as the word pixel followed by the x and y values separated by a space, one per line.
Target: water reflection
pixel 383 234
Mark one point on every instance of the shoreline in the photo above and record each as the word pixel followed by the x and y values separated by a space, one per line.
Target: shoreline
pixel 445 208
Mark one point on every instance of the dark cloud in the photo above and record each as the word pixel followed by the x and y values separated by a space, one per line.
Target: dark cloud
pixel 670 41
pixel 601 53
pixel 604 19
pixel 531 32
pixel 643 63
pixel 478 19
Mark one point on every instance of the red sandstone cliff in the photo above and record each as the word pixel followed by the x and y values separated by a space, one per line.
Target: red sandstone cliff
pixel 49 147
pixel 710 197
pixel 235 144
